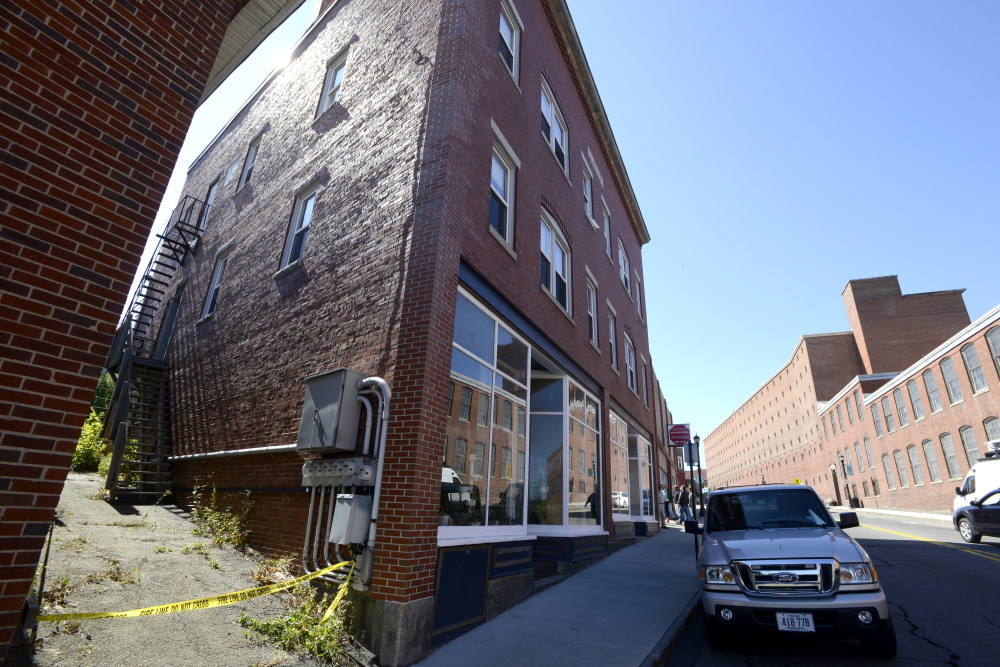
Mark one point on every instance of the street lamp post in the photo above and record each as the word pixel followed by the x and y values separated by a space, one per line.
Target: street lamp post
pixel 701 500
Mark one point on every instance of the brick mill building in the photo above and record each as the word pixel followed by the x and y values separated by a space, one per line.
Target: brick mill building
pixel 433 197
pixel 890 414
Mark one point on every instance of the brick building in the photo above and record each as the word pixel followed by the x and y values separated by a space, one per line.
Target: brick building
pixel 822 417
pixel 433 197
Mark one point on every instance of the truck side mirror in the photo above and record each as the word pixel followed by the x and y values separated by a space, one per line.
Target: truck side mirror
pixel 691 527
pixel 848 520
pixel 958 491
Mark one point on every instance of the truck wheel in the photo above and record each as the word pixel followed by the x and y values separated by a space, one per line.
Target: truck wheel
pixel 966 531
pixel 882 646
pixel 714 635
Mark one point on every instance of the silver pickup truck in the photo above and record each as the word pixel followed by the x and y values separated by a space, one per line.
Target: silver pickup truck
pixel 772 560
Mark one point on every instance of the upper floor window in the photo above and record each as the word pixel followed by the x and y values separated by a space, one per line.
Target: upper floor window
pixel 890 423
pixel 645 388
pixel 554 262
pixel 993 341
pixel 904 480
pixel 970 444
pixel 299 228
pixel 592 312
pixel 588 193
pixel 624 267
pixel 974 368
pixel 607 235
pixel 630 364
pixel 930 384
pixel 638 295
pixel 249 162
pixel 826 431
pixel 915 465
pixel 950 457
pixel 889 477
pixel 878 421
pixel 510 38
pixel 857 401
pixel 951 380
pixel 932 463
pixel 553 126
pixel 850 411
pixel 918 406
pixel 613 340
pixel 213 287
pixel 502 196
pixel 465 404
pixel 861 461
pixel 868 453
pixel 904 417
pixel 331 84
pixel 992 426
pixel 840 418
pixel 213 189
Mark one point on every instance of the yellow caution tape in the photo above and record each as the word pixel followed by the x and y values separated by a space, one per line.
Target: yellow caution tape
pixel 340 594
pixel 206 603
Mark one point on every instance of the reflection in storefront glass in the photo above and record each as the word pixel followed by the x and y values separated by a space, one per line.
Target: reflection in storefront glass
pixel 545 470
pixel 474 329
pixel 582 463
pixel 508 446
pixel 618 466
pixel 512 356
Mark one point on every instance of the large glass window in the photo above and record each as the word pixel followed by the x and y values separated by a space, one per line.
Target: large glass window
pixel 553 126
pixel 932 391
pixel 951 380
pixel 502 195
pixel 847 461
pixel 904 480
pixel 631 472
pixel 950 456
pixel 554 262
pixel 970 444
pixel 932 463
pixel 857 402
pixel 302 215
pixel 868 452
pixel 630 363
pixel 510 38
pixel 918 406
pixel 850 411
pixel 861 461
pixel 992 426
pixel 331 83
pixel 993 341
pixel 840 418
pixel 890 479
pixel 890 423
pixel 974 368
pixel 904 417
pixel 878 421
pixel 592 312
pixel 918 469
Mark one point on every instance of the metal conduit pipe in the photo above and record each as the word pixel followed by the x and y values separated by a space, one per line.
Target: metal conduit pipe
pixel 305 547
pixel 378 424
pixel 319 527
pixel 368 422
pixel 383 388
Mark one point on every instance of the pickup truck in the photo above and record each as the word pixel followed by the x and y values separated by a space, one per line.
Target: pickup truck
pixel 773 561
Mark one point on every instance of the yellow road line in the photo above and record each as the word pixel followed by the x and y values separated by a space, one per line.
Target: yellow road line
pixel 943 544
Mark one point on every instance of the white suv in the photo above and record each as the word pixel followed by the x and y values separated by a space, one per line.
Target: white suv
pixel 773 560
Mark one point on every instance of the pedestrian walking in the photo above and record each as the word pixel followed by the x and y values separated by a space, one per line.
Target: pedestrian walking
pixel 684 501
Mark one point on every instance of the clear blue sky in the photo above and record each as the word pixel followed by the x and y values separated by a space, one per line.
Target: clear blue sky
pixel 778 150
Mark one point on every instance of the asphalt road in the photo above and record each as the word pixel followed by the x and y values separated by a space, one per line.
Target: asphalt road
pixel 944 597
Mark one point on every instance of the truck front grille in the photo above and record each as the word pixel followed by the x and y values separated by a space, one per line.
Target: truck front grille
pixel 806 577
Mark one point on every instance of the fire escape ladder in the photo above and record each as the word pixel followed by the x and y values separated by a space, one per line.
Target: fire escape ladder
pixel 138 419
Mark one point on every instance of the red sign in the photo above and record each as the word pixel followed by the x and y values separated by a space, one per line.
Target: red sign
pixel 679 434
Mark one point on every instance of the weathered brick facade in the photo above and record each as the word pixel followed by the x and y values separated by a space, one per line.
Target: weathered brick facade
pixel 97 98
pixel 813 420
pixel 401 164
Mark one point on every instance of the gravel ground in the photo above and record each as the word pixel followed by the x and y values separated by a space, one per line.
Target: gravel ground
pixel 148 543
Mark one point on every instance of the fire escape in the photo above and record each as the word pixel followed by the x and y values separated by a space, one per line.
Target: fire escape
pixel 138 417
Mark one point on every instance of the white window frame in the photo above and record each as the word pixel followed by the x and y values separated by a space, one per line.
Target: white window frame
pixel 588 193
pixel 630 373
pixel 332 84
pixel 645 387
pixel 504 154
pixel 556 238
pixel 624 268
pixel 977 379
pixel 213 190
pixel 592 313
pixel 951 384
pixel 613 337
pixel 638 295
pixel 509 14
pixel 554 118
pixel 221 260
pixel 249 162
pixel 296 227
pixel 607 232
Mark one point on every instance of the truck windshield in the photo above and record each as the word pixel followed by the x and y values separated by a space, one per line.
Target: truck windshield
pixel 765 508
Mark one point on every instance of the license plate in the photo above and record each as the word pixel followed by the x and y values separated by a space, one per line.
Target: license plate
pixel 796 622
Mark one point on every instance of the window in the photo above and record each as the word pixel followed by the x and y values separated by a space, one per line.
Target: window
pixel 875 489
pixel 847 462
pixel 930 384
pixel 581 461
pixel 630 363
pixel 861 461
pixel 483 412
pixel 508 463
pixel 645 391
pixel 868 453
pixel 612 341
pixel 478 452
pixel 932 464
pixel 904 417
pixel 993 340
pixel 461 444
pixel 918 406
pixel 951 381
pixel 520 466
pixel 554 263
pixel 607 237
pixel 553 126
pixel 331 84
pixel 915 466
pixel 510 38
pixel 904 480
pixel 890 423
pixel 502 195
pixel 213 288
pixel 623 268
pixel 878 421
pixel 890 480
pixel 592 313
pixel 249 162
pixel 833 424
pixel 974 368
pixel 850 411
pixel 970 444
pixel 826 431
pixel 507 416
pixel 209 200
pixel 950 457
pixel 864 485
pixel 840 418
pixel 857 402
pixel 465 406
pixel 451 397
pixel 520 421
pixel 992 426
pixel 493 460
pixel 298 231
pixel 638 295
pixel 588 193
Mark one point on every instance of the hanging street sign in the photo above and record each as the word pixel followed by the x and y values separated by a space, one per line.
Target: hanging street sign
pixel 679 434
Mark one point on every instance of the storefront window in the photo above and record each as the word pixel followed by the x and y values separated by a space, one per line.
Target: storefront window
pixel 631 472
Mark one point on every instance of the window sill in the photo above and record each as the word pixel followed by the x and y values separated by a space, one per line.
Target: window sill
pixel 958 402
pixel 207 318
pixel 593 223
pixel 617 372
pixel 981 391
pixel 294 266
pixel 503 242
pixel 324 113
pixel 480 538
pixel 596 347
pixel 558 305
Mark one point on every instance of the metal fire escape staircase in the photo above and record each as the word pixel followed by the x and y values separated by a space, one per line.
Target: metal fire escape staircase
pixel 138 418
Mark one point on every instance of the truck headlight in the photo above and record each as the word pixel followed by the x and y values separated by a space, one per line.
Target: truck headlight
pixel 717 574
pixel 857 573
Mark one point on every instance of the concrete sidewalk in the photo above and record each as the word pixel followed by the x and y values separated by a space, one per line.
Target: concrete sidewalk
pixel 627 610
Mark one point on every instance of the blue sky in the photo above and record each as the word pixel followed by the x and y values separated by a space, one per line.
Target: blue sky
pixel 777 150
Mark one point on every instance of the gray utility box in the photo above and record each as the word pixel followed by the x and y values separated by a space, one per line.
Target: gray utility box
pixel 351 519
pixel 330 412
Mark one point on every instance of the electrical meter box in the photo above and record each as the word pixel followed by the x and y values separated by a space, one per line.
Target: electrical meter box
pixel 351 519
pixel 330 412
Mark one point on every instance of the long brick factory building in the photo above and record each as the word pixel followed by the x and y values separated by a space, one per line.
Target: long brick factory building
pixel 890 414
pixel 448 220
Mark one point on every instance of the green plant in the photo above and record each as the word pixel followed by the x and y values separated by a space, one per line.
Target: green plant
pixel 199 548
pixel 91 446
pixel 214 564
pixel 303 629
pixel 225 524
pixel 159 550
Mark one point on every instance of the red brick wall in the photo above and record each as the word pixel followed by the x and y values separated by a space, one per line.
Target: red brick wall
pixel 97 97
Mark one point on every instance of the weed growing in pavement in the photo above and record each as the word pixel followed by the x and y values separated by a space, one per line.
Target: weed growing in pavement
pixel 161 549
pixel 76 544
pixel 100 494
pixel 55 596
pixel 273 571
pixel 214 564
pixel 224 525
pixel 199 548
pixel 302 628
pixel 115 573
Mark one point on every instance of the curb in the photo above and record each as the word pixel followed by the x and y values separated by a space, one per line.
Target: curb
pixel 668 642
